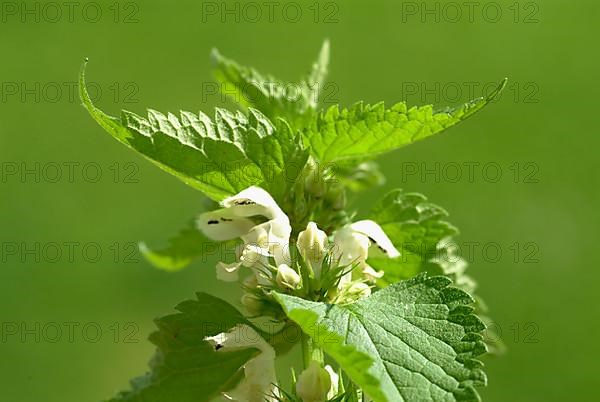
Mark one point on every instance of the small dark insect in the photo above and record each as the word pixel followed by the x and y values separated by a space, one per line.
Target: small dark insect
pixel 213 222
pixel 244 202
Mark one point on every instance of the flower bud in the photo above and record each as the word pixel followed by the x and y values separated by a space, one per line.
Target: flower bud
pixel 314 182
pixel 252 304
pixel 366 175
pixel 251 282
pixel 312 245
pixel 336 197
pixel 314 383
pixel 287 277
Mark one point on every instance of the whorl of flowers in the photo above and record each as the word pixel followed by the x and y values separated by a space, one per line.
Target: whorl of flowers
pixel 332 265
pixel 313 264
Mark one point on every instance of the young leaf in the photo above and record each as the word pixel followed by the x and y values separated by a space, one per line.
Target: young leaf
pixel 189 244
pixel 220 157
pixel 274 98
pixel 412 222
pixel 415 340
pixel 186 368
pixel 365 131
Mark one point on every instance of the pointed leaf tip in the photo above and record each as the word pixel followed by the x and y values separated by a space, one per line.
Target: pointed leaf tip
pixel 498 89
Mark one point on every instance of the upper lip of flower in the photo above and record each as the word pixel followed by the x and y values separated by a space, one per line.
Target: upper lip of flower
pixel 376 235
pixel 253 201
pixel 232 221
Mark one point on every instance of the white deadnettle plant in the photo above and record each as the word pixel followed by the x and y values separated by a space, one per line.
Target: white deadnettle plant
pixel 265 250
pixel 356 295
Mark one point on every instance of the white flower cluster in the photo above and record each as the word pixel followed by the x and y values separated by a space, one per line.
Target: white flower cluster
pixel 269 241
pixel 265 251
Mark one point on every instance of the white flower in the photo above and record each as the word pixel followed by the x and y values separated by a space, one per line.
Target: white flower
pixel 335 382
pixel 353 243
pixel 377 237
pixel 261 241
pixel 312 244
pixel 314 383
pixel 287 277
pixel 259 372
pixel 273 236
pixel 350 246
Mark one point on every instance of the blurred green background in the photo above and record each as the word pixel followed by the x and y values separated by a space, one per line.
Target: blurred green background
pixel 68 188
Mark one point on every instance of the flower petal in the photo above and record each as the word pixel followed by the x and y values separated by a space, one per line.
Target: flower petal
pixel 377 236
pixel 251 202
pixel 350 246
pixel 228 272
pixel 371 274
pixel 221 225
pixel 259 372
pixel 335 381
pixel 273 235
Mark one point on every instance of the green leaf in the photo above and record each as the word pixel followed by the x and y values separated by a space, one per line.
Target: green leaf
pixel 412 222
pixel 273 97
pixel 182 249
pixel 365 131
pixel 416 340
pixel 420 232
pixel 186 368
pixel 219 157
pixel 417 229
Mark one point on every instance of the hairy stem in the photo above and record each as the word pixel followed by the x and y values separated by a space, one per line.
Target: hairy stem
pixel 310 351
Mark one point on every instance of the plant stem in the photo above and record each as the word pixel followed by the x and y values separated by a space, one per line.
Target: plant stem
pixel 310 351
